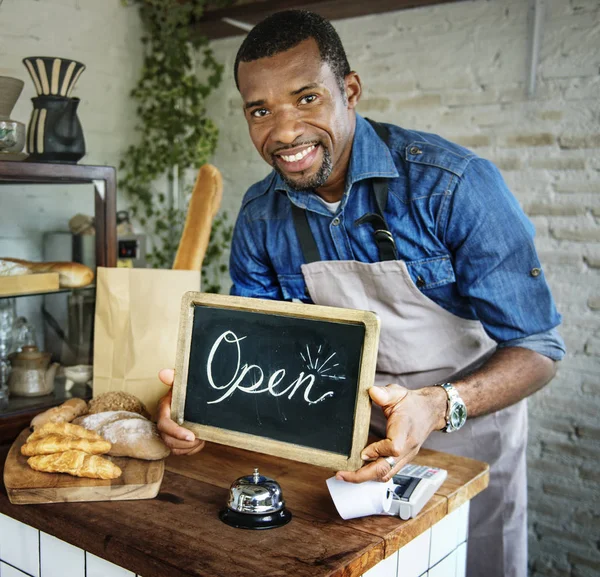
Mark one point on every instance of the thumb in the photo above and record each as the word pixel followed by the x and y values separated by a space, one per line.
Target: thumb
pixel 388 395
pixel 167 376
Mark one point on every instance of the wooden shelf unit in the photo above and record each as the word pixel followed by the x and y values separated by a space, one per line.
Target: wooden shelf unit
pixel 104 181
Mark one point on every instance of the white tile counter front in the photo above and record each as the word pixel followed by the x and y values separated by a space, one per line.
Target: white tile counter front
pixel 27 552
pixel 440 551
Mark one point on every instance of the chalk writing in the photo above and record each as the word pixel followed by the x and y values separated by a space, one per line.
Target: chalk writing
pixel 250 378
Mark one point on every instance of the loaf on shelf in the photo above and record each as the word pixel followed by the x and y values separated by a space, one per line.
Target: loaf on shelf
pixel 70 274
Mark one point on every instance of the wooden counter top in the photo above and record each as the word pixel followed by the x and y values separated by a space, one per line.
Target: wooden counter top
pixel 179 533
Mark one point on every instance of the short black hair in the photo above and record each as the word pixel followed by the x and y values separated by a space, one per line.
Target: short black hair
pixel 284 30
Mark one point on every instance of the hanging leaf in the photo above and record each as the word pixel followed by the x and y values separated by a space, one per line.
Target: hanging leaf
pixel 175 135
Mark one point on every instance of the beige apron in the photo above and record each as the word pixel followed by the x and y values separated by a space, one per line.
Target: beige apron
pixel 421 344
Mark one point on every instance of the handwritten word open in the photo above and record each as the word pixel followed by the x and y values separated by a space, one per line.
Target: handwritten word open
pixel 250 378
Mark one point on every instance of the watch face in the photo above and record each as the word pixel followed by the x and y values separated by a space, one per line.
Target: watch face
pixel 458 416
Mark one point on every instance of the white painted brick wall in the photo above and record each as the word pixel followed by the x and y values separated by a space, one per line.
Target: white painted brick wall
pixel 460 70
pixel 105 36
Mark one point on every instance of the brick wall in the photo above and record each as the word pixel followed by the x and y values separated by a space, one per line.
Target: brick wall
pixel 105 36
pixel 461 70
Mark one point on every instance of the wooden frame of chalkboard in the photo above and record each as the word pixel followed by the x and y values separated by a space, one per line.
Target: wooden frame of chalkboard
pixel 234 377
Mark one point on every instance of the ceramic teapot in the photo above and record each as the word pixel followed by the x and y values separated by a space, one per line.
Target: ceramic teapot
pixel 31 373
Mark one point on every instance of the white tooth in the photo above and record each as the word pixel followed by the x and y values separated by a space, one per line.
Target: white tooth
pixel 299 156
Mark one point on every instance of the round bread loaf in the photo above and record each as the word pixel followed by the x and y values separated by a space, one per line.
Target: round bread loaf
pixel 117 401
pixel 130 434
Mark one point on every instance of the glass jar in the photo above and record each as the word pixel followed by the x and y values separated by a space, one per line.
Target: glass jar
pixel 7 320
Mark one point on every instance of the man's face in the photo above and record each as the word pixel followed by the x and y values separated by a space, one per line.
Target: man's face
pixel 299 120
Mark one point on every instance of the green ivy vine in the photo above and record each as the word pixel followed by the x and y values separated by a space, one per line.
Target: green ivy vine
pixel 175 134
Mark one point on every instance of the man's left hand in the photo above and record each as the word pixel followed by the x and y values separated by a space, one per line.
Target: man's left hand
pixel 411 417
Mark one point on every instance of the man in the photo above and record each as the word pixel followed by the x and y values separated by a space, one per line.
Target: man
pixel 417 229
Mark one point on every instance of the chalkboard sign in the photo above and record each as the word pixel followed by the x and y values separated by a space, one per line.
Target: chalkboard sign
pixel 281 378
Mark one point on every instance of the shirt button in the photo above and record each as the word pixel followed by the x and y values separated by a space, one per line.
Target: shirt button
pixel 415 150
pixel 420 282
pixel 335 221
pixel 535 271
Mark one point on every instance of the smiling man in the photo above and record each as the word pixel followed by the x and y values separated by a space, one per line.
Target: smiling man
pixel 423 232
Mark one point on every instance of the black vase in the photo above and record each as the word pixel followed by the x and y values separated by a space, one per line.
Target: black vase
pixel 55 133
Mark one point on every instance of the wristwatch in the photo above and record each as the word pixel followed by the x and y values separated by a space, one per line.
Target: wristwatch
pixel 456 412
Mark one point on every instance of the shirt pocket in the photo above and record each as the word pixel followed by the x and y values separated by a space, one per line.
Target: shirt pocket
pixel 430 273
pixel 293 287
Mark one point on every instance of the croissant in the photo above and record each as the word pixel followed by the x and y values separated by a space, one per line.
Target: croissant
pixel 55 443
pixel 76 463
pixel 67 429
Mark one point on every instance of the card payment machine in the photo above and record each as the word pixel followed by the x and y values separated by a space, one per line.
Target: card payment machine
pixel 413 486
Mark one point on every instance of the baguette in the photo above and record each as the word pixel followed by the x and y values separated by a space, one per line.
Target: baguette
pixel 70 274
pixel 55 443
pixel 76 463
pixel 67 429
pixel 64 413
pixel 204 205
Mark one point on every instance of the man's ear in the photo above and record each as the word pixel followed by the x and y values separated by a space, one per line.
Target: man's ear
pixel 353 89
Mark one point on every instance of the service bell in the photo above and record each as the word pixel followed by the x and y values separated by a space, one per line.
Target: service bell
pixel 255 502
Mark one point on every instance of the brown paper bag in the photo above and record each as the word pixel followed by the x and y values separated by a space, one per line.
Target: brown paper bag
pixel 135 329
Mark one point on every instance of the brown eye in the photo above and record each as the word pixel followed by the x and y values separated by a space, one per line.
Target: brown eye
pixel 259 112
pixel 308 99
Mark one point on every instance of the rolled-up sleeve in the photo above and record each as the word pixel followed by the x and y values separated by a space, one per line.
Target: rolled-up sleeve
pixel 497 267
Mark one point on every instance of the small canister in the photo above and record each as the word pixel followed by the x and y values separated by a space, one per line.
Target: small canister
pixel 255 502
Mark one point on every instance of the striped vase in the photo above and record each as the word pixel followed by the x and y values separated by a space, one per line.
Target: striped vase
pixel 54 133
pixel 53 76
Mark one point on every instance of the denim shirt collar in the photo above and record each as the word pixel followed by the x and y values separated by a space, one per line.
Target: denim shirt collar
pixel 370 158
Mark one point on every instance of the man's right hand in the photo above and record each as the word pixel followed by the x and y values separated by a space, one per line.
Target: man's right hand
pixel 180 440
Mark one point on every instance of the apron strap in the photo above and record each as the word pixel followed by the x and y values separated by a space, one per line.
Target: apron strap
pixel 386 245
pixel 308 245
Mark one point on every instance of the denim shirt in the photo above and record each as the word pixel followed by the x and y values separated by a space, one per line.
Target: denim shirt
pixel 466 242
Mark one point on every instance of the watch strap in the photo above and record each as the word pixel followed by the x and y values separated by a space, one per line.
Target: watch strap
pixel 453 400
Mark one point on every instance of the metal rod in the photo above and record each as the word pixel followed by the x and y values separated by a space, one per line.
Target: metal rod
pixel 239 24
pixel 536 30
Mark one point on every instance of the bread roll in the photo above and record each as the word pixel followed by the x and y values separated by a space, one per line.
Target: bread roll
pixel 64 413
pixel 70 274
pixel 117 401
pixel 129 434
pixel 68 429
pixel 204 205
pixel 76 463
pixel 55 443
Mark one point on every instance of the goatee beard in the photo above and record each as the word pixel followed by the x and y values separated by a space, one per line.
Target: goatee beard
pixel 308 183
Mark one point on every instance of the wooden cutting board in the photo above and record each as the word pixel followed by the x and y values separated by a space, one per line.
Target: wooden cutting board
pixel 139 480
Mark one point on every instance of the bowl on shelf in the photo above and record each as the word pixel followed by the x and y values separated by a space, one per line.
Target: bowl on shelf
pixel 77 374
pixel 12 136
